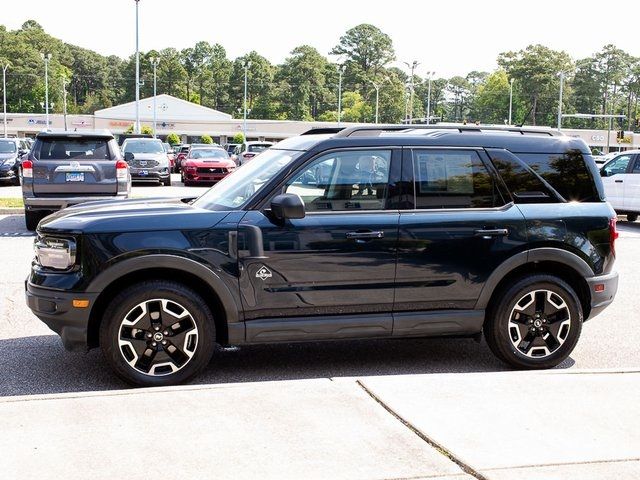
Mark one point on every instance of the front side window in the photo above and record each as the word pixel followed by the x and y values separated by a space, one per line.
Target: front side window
pixel 453 179
pixel 617 165
pixel 343 181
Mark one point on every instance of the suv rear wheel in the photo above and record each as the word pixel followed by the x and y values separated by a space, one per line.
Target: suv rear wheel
pixel 157 333
pixel 536 323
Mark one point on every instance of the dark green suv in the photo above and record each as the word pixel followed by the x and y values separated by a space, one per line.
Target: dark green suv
pixel 359 233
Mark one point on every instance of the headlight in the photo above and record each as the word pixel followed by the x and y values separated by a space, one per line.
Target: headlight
pixel 9 162
pixel 58 253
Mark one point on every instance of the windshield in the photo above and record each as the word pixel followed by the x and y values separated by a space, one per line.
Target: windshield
pixel 235 190
pixel 258 148
pixel 7 147
pixel 141 146
pixel 209 153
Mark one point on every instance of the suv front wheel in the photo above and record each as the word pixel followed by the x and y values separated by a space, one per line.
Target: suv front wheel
pixel 157 333
pixel 535 323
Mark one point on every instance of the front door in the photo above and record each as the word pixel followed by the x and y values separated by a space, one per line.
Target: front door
pixel 331 273
pixel 461 227
pixel 614 175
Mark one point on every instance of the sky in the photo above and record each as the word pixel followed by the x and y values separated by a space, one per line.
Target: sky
pixel 446 37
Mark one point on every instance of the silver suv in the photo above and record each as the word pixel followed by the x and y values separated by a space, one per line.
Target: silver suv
pixel 66 168
pixel 148 160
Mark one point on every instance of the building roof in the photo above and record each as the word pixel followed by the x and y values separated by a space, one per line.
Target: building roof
pixel 168 109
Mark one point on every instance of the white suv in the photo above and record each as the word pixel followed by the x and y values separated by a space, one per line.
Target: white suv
pixel 621 180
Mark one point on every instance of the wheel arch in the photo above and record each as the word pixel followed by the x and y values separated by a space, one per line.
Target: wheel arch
pixel 165 267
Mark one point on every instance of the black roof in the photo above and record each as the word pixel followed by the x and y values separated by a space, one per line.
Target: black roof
pixel 74 134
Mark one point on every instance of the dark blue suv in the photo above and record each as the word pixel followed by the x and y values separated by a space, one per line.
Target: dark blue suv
pixel 365 232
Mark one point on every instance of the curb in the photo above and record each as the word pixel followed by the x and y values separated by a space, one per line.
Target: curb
pixel 11 211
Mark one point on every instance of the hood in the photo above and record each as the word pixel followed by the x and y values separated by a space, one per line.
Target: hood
pixel 151 214
pixel 209 162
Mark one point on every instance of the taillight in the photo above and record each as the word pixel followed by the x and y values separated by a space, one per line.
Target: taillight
pixel 27 169
pixel 613 234
pixel 249 155
pixel 122 170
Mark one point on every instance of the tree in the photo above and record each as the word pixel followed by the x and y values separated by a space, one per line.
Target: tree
pixel 173 138
pixel 238 138
pixel 206 139
pixel 491 104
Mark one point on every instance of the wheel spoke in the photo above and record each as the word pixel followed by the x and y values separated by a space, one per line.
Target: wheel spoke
pixel 154 309
pixel 184 325
pixel 541 301
pixel 526 343
pixel 178 357
pixel 145 361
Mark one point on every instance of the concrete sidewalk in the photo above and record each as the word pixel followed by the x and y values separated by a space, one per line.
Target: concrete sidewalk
pixel 510 425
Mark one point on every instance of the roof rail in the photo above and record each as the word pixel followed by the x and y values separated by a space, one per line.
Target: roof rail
pixel 321 130
pixel 376 130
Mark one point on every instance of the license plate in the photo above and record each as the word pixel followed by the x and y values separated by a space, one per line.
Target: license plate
pixel 143 172
pixel 75 177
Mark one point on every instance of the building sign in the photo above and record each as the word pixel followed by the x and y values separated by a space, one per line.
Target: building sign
pixel 120 124
pixel 167 125
pixel 34 121
pixel 81 123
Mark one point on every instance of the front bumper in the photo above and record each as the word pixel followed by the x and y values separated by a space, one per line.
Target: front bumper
pixel 48 203
pixel 205 178
pixel 55 308
pixel 7 173
pixel 157 175
pixel 603 290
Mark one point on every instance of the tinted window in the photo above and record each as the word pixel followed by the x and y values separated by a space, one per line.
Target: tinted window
pixel 73 149
pixel 521 181
pixel 7 147
pixel 453 179
pixel 567 173
pixel 617 165
pixel 348 180
pixel 141 146
pixel 209 153
pixel 257 148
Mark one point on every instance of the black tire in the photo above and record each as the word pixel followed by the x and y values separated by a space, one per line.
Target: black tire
pixel 16 180
pixel 125 304
pixel 31 219
pixel 501 321
pixel 632 217
pixel 167 182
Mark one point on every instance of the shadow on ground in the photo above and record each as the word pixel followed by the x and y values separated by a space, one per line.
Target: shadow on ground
pixel 39 365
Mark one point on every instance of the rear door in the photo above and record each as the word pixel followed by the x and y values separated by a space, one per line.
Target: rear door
pixel 632 187
pixel 74 165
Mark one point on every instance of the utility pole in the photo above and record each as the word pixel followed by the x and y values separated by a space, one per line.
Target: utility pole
pixel 247 66
pixel 46 58
pixel 340 72
pixel 560 101
pixel 4 94
pixel 510 99
pixel 412 66
pixel 154 62
pixel 64 100
pixel 377 87
pixel 430 75
pixel 137 125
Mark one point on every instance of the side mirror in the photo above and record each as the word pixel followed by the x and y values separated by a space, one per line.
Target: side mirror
pixel 128 156
pixel 287 206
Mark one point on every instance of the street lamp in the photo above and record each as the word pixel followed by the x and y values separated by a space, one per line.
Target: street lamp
pixel 430 76
pixel 4 94
pixel 412 66
pixel 46 58
pixel 340 72
pixel 64 100
pixel 560 100
pixel 154 62
pixel 510 98
pixel 137 125
pixel 377 87
pixel 246 66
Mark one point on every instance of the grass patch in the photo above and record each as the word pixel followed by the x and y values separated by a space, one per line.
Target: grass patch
pixel 11 203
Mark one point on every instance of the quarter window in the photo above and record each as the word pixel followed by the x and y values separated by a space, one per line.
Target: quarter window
pixel 453 179
pixel 344 180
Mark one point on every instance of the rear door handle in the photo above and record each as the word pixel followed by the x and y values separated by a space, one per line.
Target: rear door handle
pixel 618 181
pixel 365 235
pixel 493 232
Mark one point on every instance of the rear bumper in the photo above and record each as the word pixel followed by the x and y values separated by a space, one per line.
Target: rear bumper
pixel 56 310
pixel 55 203
pixel 608 286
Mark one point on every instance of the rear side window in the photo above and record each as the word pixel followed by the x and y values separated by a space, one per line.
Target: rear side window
pixel 453 179
pixel 521 181
pixel 73 149
pixel 566 172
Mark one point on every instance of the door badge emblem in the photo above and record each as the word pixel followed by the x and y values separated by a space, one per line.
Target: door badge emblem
pixel 263 273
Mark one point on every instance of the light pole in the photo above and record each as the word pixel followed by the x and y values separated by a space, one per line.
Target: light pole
pixel 377 87
pixel 430 75
pixel 412 66
pixel 64 100
pixel 247 66
pixel 560 101
pixel 4 94
pixel 46 58
pixel 340 72
pixel 154 62
pixel 137 125
pixel 510 99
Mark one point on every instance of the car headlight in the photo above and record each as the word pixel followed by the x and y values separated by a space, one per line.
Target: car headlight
pixel 10 162
pixel 58 253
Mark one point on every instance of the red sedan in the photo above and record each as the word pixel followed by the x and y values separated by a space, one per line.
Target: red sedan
pixel 206 165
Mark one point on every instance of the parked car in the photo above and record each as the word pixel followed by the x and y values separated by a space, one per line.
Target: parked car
pixel 602 159
pixel 418 232
pixel 231 148
pixel 171 156
pixel 206 165
pixel 65 168
pixel 181 155
pixel 148 160
pixel 11 153
pixel 247 150
pixel 621 179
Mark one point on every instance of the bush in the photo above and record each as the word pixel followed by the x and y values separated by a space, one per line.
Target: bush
pixel 146 130
pixel 238 138
pixel 206 139
pixel 173 139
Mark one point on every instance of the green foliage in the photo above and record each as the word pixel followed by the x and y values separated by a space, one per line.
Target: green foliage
pixel 238 138
pixel 173 138
pixel 146 130
pixel 129 130
pixel 206 139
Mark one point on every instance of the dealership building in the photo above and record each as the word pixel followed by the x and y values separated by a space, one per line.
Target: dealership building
pixel 190 121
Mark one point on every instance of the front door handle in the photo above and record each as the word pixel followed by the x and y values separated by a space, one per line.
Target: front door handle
pixel 365 235
pixel 618 181
pixel 492 232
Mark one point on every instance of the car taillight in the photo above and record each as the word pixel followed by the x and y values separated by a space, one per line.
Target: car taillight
pixel 249 155
pixel 613 234
pixel 122 170
pixel 27 169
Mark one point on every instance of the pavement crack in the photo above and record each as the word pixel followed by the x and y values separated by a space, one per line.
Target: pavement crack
pixel 444 451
